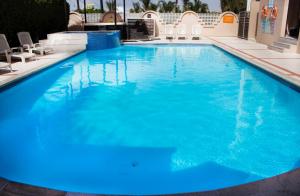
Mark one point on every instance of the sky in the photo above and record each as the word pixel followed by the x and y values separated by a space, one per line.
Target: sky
pixel 214 5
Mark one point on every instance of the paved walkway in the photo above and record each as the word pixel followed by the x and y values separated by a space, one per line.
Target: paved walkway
pixel 21 70
pixel 284 65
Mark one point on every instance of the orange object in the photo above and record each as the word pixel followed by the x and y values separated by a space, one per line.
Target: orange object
pixel 265 11
pixel 228 19
pixel 274 12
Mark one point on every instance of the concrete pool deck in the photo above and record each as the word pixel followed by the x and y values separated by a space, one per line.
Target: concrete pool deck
pixel 284 65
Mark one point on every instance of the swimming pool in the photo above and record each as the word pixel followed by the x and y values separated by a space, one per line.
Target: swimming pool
pixel 148 120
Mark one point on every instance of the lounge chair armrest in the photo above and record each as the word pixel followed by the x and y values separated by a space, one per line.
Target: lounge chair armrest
pixel 37 45
pixel 20 49
pixel 3 51
pixel 26 46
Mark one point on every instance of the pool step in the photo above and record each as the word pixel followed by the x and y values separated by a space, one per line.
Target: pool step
pixel 288 40
pixel 284 44
pixel 276 48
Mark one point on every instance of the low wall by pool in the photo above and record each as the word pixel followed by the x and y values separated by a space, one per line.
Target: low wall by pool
pixel 79 40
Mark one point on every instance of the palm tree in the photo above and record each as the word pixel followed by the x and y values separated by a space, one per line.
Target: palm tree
pixel 142 6
pixel 147 5
pixel 205 8
pixel 235 6
pixel 136 7
pixel 78 5
pixel 101 6
pixel 177 8
pixel 199 7
pixel 167 6
pixel 196 6
pixel 186 5
pixel 110 5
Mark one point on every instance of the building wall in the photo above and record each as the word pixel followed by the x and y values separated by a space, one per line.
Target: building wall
pixel 298 50
pixel 255 8
pixel 224 28
pixel 280 23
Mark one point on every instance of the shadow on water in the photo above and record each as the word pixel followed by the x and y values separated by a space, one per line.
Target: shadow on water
pixel 116 170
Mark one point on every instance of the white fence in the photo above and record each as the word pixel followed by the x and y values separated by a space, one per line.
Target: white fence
pixel 93 18
pixel 167 18
pixel 212 24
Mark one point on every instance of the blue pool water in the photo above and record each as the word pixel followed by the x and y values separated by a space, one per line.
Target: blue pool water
pixel 148 120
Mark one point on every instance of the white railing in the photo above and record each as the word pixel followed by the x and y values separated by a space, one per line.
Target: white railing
pixel 209 19
pixel 134 15
pixel 93 18
pixel 169 18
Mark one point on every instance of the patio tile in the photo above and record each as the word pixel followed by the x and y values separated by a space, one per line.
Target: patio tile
pixel 3 183
pixel 285 65
pixel 290 64
pixel 22 189
pixel 265 54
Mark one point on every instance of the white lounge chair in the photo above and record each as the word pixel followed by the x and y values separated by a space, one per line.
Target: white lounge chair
pixel 28 45
pixel 196 31
pixel 169 31
pixel 10 52
pixel 5 65
pixel 181 31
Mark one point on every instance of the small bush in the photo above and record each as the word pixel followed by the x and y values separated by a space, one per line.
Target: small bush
pixel 39 17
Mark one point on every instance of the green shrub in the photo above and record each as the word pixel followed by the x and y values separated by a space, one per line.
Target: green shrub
pixel 39 17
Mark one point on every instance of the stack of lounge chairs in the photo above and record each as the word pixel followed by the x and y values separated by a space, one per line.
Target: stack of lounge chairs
pixel 26 51
pixel 181 32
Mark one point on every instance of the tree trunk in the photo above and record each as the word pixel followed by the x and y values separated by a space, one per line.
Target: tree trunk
pixel 101 6
pixel 78 5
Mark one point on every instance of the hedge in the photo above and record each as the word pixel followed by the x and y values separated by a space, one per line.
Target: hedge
pixel 39 17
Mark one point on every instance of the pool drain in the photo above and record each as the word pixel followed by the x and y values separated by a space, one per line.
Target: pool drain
pixel 134 164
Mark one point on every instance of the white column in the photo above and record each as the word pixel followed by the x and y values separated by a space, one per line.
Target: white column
pixel 248 5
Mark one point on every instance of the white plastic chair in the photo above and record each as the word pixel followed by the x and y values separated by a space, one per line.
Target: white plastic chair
pixel 6 65
pixel 28 45
pixel 13 52
pixel 169 31
pixel 181 31
pixel 196 31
